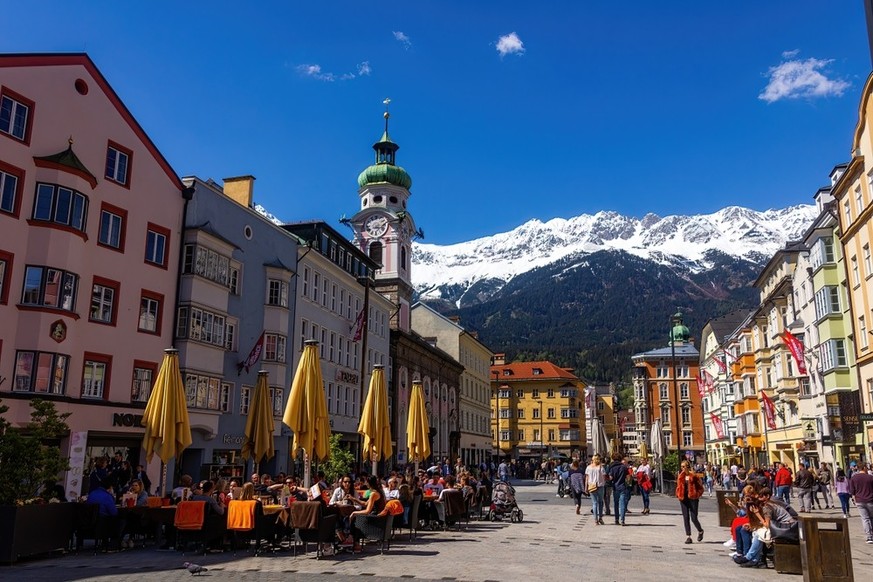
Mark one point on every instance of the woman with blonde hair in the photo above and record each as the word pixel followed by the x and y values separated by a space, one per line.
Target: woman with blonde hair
pixel 689 488
pixel 248 492
pixel 595 483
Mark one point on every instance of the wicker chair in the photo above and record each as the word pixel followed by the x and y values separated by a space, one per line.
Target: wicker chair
pixel 375 528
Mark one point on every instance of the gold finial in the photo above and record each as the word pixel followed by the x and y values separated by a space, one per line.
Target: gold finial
pixel 70 141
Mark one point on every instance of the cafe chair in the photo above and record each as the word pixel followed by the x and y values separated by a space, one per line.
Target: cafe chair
pixel 455 508
pixel 375 528
pixel 246 520
pixel 88 526
pixel 153 502
pixel 189 520
pixel 311 525
pixel 412 522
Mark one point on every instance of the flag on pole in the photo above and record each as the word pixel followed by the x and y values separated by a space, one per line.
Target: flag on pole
pixel 358 326
pixel 769 410
pixel 795 346
pixel 708 382
pixel 701 385
pixel 717 425
pixel 253 358
pixel 721 365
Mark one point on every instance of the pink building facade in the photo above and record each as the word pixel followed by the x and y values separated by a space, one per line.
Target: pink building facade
pixel 90 224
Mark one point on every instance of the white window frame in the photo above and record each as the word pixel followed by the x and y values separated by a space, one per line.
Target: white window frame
pixel 92 386
pixel 117 172
pixel 12 128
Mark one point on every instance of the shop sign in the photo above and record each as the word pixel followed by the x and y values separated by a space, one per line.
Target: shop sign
pixel 126 419
pixel 866 417
pixel 850 412
pixel 346 377
pixel 232 439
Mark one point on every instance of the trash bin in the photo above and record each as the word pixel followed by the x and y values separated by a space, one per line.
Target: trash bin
pixel 726 513
pixel 824 549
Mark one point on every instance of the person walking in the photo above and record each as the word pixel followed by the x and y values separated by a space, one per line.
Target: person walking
pixel 622 483
pixel 841 485
pixel 644 480
pixel 861 488
pixel 595 483
pixel 576 480
pixel 782 482
pixel 825 479
pixel 804 482
pixel 688 491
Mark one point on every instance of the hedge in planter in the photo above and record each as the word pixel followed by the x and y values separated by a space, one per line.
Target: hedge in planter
pixel 29 459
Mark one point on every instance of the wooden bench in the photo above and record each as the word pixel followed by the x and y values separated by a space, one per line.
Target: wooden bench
pixel 786 558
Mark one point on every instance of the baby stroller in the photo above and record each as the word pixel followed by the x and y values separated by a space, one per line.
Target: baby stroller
pixel 503 503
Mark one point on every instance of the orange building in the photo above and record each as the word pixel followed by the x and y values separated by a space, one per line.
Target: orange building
pixel 665 388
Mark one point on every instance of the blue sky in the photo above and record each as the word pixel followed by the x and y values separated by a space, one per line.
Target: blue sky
pixel 504 111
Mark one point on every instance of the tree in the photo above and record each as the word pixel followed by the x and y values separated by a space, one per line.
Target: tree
pixel 340 461
pixel 30 457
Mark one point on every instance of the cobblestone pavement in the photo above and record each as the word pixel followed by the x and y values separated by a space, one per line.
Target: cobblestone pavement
pixel 551 542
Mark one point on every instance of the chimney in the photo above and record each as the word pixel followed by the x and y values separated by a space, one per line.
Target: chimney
pixel 240 189
pixel 498 359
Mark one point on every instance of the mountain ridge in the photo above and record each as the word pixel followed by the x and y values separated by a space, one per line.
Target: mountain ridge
pixel 475 271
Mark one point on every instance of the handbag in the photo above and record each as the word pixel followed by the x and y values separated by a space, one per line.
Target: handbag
pixel 592 487
pixel 786 533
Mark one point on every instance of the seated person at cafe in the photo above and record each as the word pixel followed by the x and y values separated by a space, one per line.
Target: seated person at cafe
pixel 345 502
pixel 248 492
pixel 204 493
pixel 260 488
pixel 184 483
pixel 138 489
pixel 269 488
pixel 214 519
pixel 297 493
pixel 433 486
pixel 391 491
pixel 375 506
pixel 107 512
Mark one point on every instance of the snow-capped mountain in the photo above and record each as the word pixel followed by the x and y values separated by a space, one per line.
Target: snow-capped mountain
pixel 447 272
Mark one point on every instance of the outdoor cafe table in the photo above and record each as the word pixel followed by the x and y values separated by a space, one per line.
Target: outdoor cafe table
pixel 281 512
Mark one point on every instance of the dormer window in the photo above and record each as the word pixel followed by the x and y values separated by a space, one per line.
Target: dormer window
pixel 507 372
pixel 537 371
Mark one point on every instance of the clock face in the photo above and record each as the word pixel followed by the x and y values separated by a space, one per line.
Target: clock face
pixel 376 225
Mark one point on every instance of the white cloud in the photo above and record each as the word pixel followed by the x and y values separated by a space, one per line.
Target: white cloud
pixel 510 44
pixel 799 78
pixel 314 71
pixel 403 39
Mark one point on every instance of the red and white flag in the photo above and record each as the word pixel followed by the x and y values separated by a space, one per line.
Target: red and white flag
pixel 717 425
pixel 721 364
pixel 708 382
pixel 254 356
pixel 701 385
pixel 769 410
pixel 795 346
pixel 358 326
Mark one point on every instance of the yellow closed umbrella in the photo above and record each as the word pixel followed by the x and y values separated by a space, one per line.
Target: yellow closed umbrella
pixel 306 411
pixel 258 439
pixel 168 431
pixel 417 427
pixel 375 426
pixel 644 451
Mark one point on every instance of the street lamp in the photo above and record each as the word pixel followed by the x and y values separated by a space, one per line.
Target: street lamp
pixel 675 320
pixel 497 413
pixel 542 438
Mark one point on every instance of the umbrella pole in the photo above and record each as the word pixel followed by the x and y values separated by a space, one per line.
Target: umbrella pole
pixel 163 479
pixel 306 470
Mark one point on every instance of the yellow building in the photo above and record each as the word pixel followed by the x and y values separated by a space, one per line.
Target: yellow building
pixel 540 410
pixel 853 193
pixel 749 441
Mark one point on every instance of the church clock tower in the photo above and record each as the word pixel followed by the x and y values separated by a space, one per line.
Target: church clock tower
pixel 383 227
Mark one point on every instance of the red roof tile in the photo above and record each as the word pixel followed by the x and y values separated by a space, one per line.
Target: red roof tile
pixel 525 371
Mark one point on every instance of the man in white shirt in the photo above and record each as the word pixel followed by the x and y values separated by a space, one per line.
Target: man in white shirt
pixel 433 487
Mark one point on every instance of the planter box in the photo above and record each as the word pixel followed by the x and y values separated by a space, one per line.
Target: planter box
pixel 34 529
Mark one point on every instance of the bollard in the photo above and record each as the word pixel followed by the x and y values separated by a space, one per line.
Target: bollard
pixel 824 549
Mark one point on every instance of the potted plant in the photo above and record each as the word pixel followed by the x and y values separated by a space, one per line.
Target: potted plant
pixel 30 458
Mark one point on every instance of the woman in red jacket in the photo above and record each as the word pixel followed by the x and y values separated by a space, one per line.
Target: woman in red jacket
pixel 689 488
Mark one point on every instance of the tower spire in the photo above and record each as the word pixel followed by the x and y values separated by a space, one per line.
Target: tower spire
pixel 385 148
